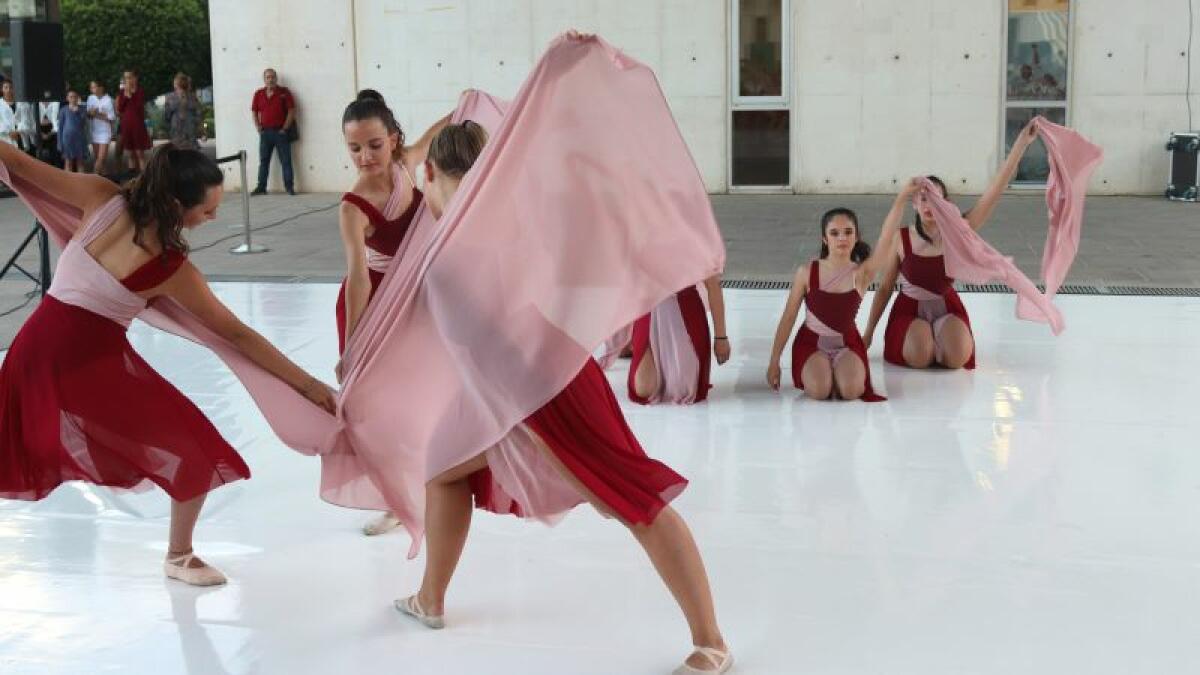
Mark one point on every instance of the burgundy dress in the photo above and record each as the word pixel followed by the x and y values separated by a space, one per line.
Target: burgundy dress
pixel 584 428
pixel 132 111
pixel 833 314
pixel 78 403
pixel 926 293
pixel 695 320
pixel 383 243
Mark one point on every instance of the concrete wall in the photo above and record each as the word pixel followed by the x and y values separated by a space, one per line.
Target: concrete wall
pixel 881 89
pixel 311 44
pixel 1130 76
pixel 420 54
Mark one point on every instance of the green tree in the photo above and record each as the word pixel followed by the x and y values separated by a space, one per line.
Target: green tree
pixel 158 38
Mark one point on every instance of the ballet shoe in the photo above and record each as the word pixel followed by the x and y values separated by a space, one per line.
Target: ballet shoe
pixel 412 607
pixel 722 662
pixel 386 522
pixel 205 575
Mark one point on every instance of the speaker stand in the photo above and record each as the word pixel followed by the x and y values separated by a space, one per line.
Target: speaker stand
pixel 43 242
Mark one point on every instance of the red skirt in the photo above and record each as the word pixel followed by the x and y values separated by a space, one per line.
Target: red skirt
pixel 695 320
pixel 904 310
pixel 340 310
pixel 78 403
pixel 805 346
pixel 584 427
pixel 133 133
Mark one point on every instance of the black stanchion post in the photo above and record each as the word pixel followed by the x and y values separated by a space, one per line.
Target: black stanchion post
pixel 246 246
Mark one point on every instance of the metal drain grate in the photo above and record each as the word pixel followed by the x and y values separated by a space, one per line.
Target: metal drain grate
pixel 1067 289
pixel 751 285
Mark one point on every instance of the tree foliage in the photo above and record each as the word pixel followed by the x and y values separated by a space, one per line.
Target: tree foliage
pixel 158 38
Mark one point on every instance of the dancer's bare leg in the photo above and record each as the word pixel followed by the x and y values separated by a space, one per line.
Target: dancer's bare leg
pixel 918 348
pixel 850 376
pixel 447 520
pixel 673 552
pixel 817 376
pixel 646 378
pixel 957 343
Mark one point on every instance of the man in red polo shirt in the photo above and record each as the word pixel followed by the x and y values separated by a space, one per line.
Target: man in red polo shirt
pixel 274 112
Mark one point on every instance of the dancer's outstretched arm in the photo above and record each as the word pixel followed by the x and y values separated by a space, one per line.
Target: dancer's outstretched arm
pixel 885 248
pixel 415 154
pixel 189 288
pixel 87 192
pixel 979 214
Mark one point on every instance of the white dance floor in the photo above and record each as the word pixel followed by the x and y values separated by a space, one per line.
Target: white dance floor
pixel 1040 515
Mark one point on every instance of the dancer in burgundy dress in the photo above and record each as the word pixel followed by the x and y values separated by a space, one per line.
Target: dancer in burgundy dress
pixel 672 356
pixel 131 108
pixel 76 401
pixel 829 359
pixel 929 325
pixel 376 214
pixel 592 454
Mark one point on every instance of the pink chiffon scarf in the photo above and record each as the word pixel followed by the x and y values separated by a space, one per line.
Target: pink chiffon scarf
pixel 970 258
pixel 584 212
pixel 1073 159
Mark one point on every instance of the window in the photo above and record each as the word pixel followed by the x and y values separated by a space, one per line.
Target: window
pixel 1037 76
pixel 760 118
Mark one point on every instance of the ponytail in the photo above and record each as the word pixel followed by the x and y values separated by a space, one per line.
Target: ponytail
pixel 172 181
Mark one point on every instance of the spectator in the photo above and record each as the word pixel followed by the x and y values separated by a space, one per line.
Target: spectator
pixel 17 126
pixel 182 114
pixel 102 113
pixel 131 106
pixel 72 132
pixel 47 129
pixel 274 113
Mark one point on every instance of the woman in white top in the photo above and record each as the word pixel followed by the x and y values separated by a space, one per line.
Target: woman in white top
pixel 16 119
pixel 102 112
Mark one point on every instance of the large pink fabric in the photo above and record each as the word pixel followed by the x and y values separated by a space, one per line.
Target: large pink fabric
pixel 297 421
pixel 584 211
pixel 1073 158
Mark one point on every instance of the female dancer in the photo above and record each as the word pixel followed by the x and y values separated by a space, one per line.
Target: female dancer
pixel 670 347
pixel 376 213
pixel 929 325
pixel 131 107
pixel 76 401
pixel 583 435
pixel 832 288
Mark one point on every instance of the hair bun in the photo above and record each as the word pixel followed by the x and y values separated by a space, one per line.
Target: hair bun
pixel 370 95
